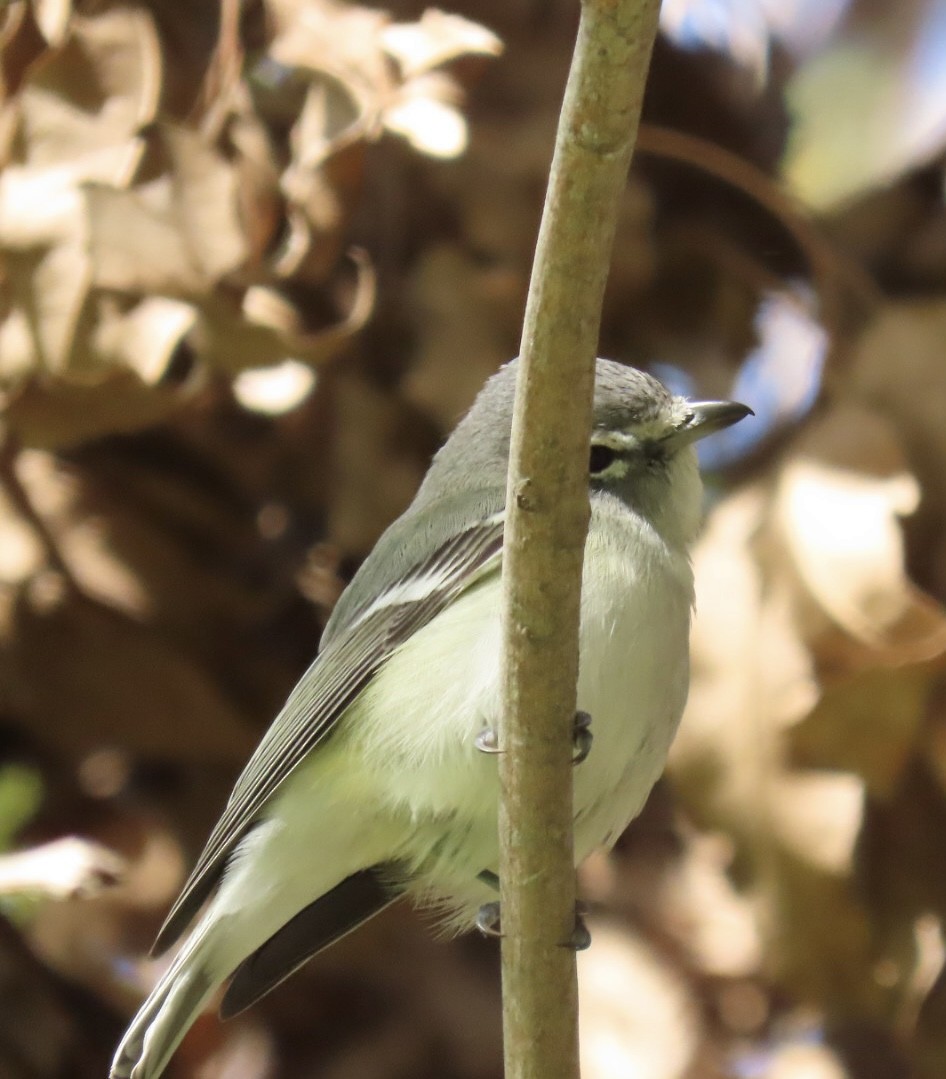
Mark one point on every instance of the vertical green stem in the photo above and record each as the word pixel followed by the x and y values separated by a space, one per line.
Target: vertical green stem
pixel 547 520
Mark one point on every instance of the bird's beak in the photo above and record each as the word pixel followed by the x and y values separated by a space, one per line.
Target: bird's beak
pixel 705 417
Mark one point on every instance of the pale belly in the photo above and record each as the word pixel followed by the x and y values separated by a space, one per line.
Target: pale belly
pixel 633 681
pixel 633 677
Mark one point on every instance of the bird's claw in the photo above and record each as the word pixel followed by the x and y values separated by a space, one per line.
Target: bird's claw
pixel 582 737
pixel 487 922
pixel 580 939
pixel 487 919
pixel 487 741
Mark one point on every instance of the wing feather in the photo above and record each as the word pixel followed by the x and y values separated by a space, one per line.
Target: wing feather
pixel 331 684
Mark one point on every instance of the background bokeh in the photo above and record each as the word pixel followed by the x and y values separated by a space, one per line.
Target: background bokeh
pixel 256 258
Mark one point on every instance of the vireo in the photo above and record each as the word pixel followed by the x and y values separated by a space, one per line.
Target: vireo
pixel 370 784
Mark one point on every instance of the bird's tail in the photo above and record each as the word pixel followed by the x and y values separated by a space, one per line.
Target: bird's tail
pixel 166 1016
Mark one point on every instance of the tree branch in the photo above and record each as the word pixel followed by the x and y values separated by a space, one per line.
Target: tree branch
pixel 546 525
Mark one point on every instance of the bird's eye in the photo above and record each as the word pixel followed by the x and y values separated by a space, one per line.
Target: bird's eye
pixel 602 457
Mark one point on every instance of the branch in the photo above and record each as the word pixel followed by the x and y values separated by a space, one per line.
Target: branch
pixel 546 525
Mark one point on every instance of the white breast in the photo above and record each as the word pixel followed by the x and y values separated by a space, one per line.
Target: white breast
pixel 430 700
pixel 637 594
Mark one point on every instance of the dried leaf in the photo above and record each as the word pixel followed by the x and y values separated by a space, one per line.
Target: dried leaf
pixel 330 119
pixel 339 41
pixel 52 17
pixel 96 92
pixel 717 925
pixel 144 338
pixel 869 725
pixel 272 329
pixel 635 1014
pixel 425 114
pixel 178 233
pixel 274 390
pixel 54 415
pixel 800 586
pixel 21 552
pixel 70 868
pixel 54 494
pixel 807 1062
pixel 458 299
pixel 52 286
pixel 321 185
pixel 817 815
pixel 435 39
pixel 78 670
pixel 21 42
pixel 78 116
pixel 843 536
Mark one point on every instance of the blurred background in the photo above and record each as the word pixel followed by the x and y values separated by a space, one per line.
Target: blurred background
pixel 257 257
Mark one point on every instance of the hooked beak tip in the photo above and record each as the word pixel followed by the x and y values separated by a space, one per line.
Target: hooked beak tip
pixel 707 417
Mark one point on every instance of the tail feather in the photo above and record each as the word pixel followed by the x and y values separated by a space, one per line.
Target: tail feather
pixel 164 1019
pixel 255 900
pixel 326 920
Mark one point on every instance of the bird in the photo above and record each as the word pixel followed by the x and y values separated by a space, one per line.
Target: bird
pixel 370 784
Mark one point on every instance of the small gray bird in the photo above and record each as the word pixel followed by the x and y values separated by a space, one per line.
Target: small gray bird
pixel 370 784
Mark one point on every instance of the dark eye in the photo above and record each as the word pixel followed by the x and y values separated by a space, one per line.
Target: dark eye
pixel 602 457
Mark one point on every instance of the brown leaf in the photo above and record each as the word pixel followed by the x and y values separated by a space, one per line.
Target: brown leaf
pixel 78 115
pixel 76 673
pixel 53 415
pixel 21 42
pixel 52 17
pixel 321 184
pixel 53 495
pixel 636 1015
pixel 51 286
pixel 781 739
pixel 839 522
pixel 95 92
pixel 457 299
pixel 340 40
pixel 899 371
pixel 70 868
pixel 425 113
pixel 435 39
pixel 144 338
pixel 274 390
pixel 267 328
pixel 869 724
pixel 376 474
pixel 177 233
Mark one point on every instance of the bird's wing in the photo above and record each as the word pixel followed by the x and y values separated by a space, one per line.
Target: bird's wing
pixel 337 676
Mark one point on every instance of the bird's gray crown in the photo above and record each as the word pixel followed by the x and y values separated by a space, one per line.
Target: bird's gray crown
pixel 478 450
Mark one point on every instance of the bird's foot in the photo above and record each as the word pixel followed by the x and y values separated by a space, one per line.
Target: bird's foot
pixel 487 919
pixel 582 737
pixel 487 741
pixel 487 922
pixel 580 940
